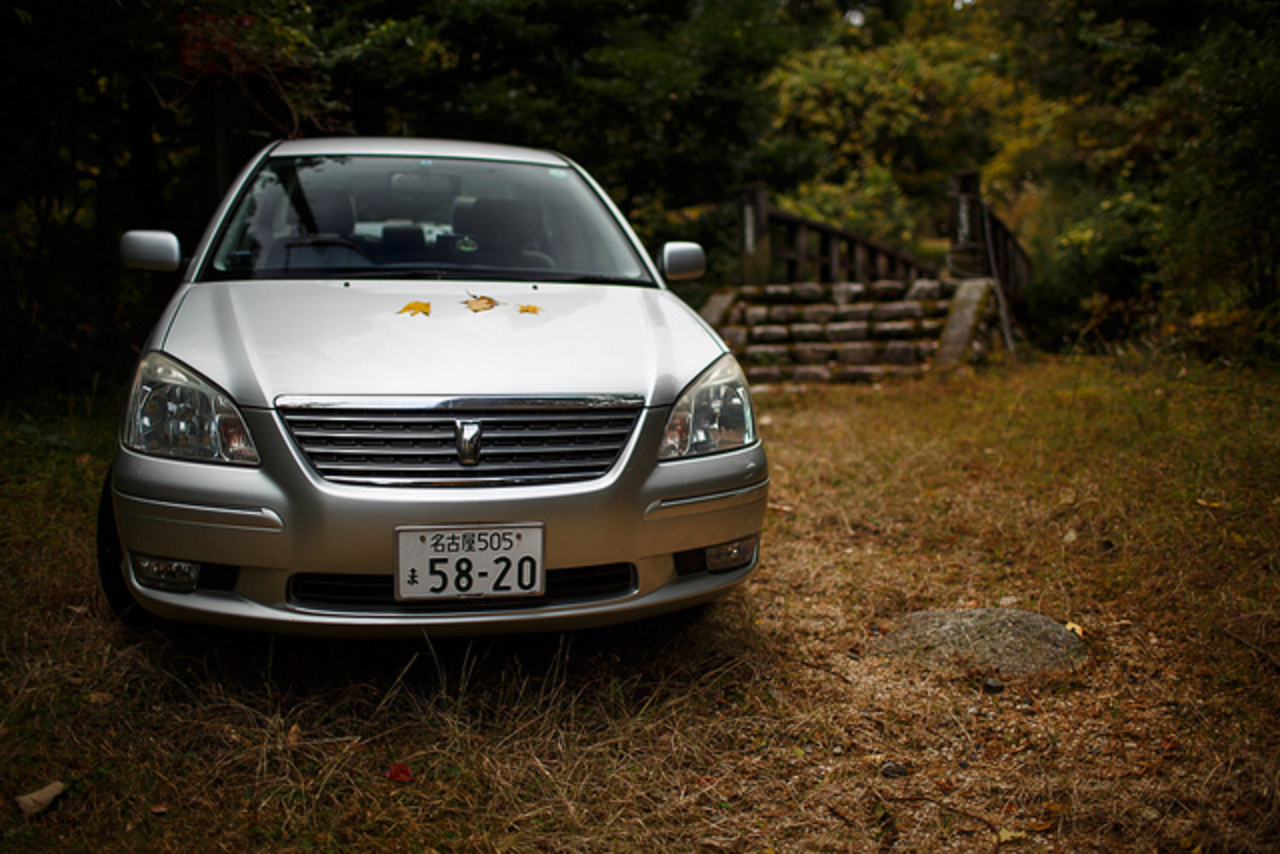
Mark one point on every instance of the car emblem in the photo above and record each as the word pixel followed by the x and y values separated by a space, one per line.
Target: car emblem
pixel 467 437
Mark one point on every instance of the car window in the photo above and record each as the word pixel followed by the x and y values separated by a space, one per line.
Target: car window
pixel 302 217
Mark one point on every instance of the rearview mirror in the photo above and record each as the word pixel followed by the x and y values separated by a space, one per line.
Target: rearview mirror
pixel 151 250
pixel 683 260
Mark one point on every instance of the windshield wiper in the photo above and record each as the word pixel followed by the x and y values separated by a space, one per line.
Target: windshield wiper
pixel 399 273
pixel 495 274
pixel 571 278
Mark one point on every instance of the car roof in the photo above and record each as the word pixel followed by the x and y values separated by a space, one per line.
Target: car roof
pixel 407 147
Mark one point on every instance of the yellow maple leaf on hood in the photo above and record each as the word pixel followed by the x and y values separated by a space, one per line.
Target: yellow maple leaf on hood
pixel 478 304
pixel 415 308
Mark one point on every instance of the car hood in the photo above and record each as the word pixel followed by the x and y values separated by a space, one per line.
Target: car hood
pixel 260 340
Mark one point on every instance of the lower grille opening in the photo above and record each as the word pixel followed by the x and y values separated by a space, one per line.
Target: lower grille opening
pixel 350 592
pixel 218 576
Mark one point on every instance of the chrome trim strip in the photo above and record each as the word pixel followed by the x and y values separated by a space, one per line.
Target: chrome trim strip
pixel 248 518
pixel 303 401
pixel 674 507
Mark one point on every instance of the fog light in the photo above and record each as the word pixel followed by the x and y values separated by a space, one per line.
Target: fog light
pixel 178 576
pixel 734 555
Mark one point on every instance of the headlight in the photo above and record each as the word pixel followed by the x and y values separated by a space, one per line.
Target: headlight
pixel 713 414
pixel 175 412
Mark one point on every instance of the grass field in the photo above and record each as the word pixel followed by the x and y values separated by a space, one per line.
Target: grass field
pixel 1138 499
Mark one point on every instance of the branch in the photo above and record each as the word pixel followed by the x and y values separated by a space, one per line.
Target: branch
pixel 1270 659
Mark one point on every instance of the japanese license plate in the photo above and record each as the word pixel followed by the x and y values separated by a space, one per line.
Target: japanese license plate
pixel 469 562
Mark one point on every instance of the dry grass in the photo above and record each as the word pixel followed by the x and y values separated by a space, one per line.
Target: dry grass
pixel 1141 501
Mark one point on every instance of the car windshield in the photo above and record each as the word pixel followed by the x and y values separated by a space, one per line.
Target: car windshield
pixel 376 216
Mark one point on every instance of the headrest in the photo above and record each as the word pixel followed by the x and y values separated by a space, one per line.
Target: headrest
pixel 497 222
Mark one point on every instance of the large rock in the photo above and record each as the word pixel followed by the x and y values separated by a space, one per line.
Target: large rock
pixel 1002 641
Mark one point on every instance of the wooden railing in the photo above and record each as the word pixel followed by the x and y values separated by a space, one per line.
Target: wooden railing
pixel 777 246
pixel 983 246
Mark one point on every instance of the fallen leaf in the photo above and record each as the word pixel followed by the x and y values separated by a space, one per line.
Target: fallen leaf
pixel 293 737
pixel 39 801
pixel 398 772
pixel 1076 630
pixel 97 697
pixel 415 308
pixel 1070 536
pixel 530 309
pixel 479 304
pixel 160 809
pixel 1006 835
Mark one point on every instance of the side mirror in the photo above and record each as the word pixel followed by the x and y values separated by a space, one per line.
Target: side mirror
pixel 151 250
pixel 683 260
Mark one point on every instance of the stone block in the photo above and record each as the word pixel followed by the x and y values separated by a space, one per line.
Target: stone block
pixel 888 290
pixel 811 354
pixel 770 334
pixel 822 312
pixel 808 292
pixel 783 313
pixel 756 315
pixel 765 374
pixel 776 294
pixel 925 289
pixel 808 332
pixel 897 311
pixel 767 354
pixel 843 293
pixel 854 330
pixel 901 353
pixel 933 326
pixel 735 336
pixel 750 293
pixel 855 311
pixel 858 353
pixel 962 328
pixel 811 374
pixel 857 373
pixel 896 329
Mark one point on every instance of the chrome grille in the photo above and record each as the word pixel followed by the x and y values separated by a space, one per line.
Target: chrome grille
pixel 533 442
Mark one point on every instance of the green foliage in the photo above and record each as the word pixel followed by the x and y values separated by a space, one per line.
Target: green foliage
pixel 868 202
pixel 895 122
pixel 1098 289
pixel 138 115
pixel 1220 239
pixel 1127 143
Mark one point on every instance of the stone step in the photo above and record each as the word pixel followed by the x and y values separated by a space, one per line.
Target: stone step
pixel 842 332
pixel 842 293
pixel 830 373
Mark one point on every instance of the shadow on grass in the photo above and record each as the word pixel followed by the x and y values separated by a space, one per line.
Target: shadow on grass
pixel 685 653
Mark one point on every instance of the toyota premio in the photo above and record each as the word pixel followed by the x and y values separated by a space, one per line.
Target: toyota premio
pixel 413 387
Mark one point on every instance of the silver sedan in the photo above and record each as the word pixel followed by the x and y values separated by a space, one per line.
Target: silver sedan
pixel 416 387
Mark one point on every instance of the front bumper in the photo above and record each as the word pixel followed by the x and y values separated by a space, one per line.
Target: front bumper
pixel 278 522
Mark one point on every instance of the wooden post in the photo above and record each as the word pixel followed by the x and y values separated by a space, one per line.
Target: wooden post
pixel 754 234
pixel 834 269
pixel 801 245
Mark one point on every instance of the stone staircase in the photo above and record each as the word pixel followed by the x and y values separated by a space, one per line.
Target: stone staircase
pixel 851 332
